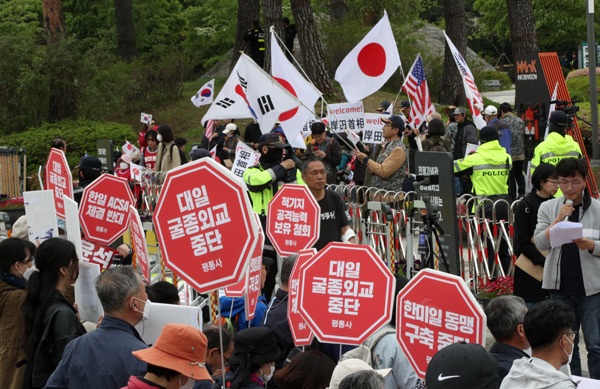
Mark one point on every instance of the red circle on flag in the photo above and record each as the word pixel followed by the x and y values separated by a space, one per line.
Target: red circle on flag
pixel 371 60
pixel 287 114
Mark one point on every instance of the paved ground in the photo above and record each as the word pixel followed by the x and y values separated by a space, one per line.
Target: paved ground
pixel 502 96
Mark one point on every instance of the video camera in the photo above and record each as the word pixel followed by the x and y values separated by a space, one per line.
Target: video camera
pixel 567 107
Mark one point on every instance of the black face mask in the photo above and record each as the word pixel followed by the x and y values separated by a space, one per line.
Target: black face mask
pixel 273 155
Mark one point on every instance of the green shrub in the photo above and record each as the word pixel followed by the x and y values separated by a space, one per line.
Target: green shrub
pixel 482 77
pixel 81 137
pixel 579 85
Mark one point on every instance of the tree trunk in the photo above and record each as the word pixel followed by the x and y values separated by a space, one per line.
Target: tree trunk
pixel 125 31
pixel 338 9
pixel 456 28
pixel 272 16
pixel 310 44
pixel 248 10
pixel 54 20
pixel 522 27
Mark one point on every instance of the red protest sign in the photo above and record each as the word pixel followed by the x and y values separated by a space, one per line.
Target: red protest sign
pixel 239 289
pixel 436 309
pixel 205 225
pixel 301 333
pixel 104 208
pixel 138 239
pixel 253 276
pixel 58 179
pixel 96 253
pixel 346 293
pixel 294 219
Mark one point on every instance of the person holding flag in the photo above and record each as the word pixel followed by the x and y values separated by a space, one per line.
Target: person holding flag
pixel 389 170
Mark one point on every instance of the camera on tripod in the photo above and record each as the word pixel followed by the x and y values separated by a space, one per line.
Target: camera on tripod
pixel 567 107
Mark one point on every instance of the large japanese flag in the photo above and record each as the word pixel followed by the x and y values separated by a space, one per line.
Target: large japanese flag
pixel 250 92
pixel 473 96
pixel 370 64
pixel 286 74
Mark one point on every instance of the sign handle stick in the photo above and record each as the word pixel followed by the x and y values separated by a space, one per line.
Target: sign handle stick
pixel 340 352
pixel 221 345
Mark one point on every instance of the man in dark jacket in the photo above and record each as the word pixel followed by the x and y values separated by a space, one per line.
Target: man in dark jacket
pixel 326 148
pixel 505 315
pixel 276 316
pixel 255 36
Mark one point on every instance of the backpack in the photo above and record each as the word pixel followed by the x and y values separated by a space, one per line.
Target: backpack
pixel 365 350
pixel 436 146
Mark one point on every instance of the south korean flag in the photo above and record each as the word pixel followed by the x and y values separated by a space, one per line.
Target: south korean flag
pixel 250 92
pixel 205 94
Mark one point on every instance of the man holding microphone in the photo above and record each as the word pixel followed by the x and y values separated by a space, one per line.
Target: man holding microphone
pixel 571 270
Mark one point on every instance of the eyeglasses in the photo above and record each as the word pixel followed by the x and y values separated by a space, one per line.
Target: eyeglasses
pixel 553 182
pixel 567 184
pixel 571 334
pixel 226 360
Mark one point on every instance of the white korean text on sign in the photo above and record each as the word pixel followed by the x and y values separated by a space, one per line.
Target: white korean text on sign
pixel 205 225
pixel 346 293
pixel 434 310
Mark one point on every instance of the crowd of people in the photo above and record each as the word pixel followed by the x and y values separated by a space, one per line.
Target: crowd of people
pixel 44 344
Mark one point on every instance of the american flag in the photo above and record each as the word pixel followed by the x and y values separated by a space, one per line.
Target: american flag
pixel 416 88
pixel 471 91
pixel 209 129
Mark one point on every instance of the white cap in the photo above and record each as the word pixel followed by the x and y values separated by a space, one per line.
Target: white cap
pixel 349 366
pixel 490 110
pixel 229 128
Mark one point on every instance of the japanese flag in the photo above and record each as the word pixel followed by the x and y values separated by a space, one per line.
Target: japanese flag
pixel 136 172
pixel 370 64
pixel 250 92
pixel 205 94
pixel 286 74
pixel 129 149
pixel 145 118
pixel 213 153
pixel 352 136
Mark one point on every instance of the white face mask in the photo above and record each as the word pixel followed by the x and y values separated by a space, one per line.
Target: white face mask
pixel 159 137
pixel 124 165
pixel 28 271
pixel 188 385
pixel 267 377
pixel 146 311
pixel 570 355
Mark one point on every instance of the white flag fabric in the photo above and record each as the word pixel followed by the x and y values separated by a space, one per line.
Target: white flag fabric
pixel 352 136
pixel 129 149
pixel 473 95
pixel 250 92
pixel 370 64
pixel 136 172
pixel 213 153
pixel 205 94
pixel 286 74
pixel 146 118
pixel 552 109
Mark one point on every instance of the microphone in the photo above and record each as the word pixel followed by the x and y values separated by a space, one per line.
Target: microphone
pixel 568 202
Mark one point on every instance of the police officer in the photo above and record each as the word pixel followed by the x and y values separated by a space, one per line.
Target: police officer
pixel 557 145
pixel 489 168
pixel 264 180
pixel 255 36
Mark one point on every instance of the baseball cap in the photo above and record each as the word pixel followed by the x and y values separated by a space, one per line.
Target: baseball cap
pixel 488 133
pixel 91 163
pixel 383 106
pixel 179 347
pixel 405 104
pixel 272 139
pixel 198 152
pixel 490 110
pixel 462 365
pixel 349 366
pixel 395 120
pixel 256 345
pixel 230 127
pixel 459 111
pixel 559 118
